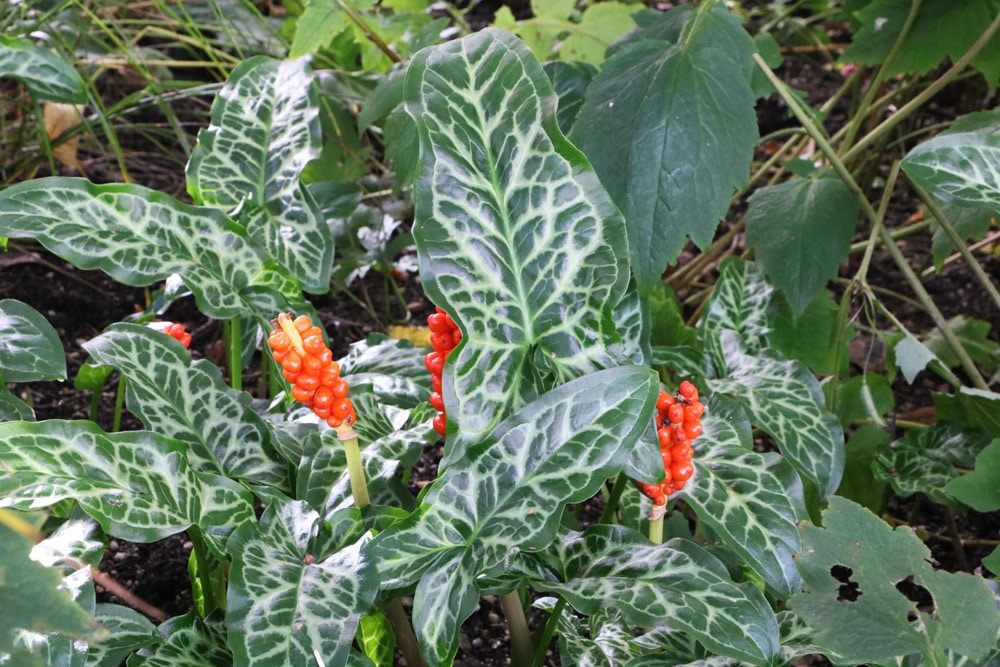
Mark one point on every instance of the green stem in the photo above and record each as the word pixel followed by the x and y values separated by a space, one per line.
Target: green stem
pixel 521 651
pixel 234 352
pixel 406 640
pixel 116 423
pixel 542 648
pixel 355 468
pixel 656 530
pixel 903 112
pixel 203 561
pixel 611 506
pixel 95 405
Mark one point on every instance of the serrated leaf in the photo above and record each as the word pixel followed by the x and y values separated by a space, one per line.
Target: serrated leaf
pixel 816 337
pixel 678 584
pixel 925 460
pixel 912 356
pixel 961 167
pixel 739 303
pixel 752 501
pixel 139 236
pixel 784 399
pixel 973 335
pixel 942 29
pixel 264 130
pixel 556 450
pixel 190 401
pixel 190 641
pixel 801 232
pixel 30 348
pixel 30 597
pixel 670 128
pixel 980 488
pixel 600 25
pixel 856 600
pixel 517 240
pixel 45 74
pixel 137 484
pixel 975 408
pixel 288 601
pixel 320 22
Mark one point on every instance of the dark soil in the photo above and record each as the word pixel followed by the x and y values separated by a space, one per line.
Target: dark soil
pixel 80 304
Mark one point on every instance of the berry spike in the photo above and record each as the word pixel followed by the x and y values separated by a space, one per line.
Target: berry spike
pixel 678 423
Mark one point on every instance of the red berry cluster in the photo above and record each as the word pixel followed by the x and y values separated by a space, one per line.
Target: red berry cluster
pixel 445 336
pixel 176 330
pixel 307 363
pixel 678 422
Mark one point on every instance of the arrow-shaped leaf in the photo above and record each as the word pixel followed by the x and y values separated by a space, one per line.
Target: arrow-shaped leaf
pixel 137 484
pixel 517 240
pixel 44 73
pixel 783 398
pixel 264 130
pixel 678 584
pixel 139 236
pixel 289 601
pixel 739 303
pixel 507 497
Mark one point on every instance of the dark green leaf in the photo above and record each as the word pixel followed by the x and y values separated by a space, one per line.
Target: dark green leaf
pixel 973 407
pixel 670 128
pixel 980 488
pixel 30 348
pixel 801 232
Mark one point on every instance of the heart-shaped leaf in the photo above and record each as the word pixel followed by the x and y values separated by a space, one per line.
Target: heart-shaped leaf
pixel 189 401
pixel 139 236
pixel 264 130
pixel 517 240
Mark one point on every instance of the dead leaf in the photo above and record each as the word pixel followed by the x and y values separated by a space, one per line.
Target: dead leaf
pixel 59 119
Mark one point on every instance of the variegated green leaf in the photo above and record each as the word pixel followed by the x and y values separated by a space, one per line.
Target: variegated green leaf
pixel 190 641
pixel 138 485
pixel 189 401
pixel 394 369
pixel 677 584
pixel 784 399
pixel 446 595
pixel 507 497
pixel 74 541
pixel 377 639
pixel 604 640
pixel 925 460
pixel 129 630
pixel 751 501
pixel 739 303
pixel 13 408
pixel 59 649
pixel 45 74
pixel 30 348
pixel 289 602
pixel 139 236
pixel 959 167
pixel 264 130
pixel 517 239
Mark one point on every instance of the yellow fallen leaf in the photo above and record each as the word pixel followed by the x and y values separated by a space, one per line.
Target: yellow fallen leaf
pixel 419 336
pixel 59 119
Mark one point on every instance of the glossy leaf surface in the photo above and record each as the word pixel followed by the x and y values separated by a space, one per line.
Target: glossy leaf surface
pixel 189 401
pixel 677 583
pixel 30 348
pixel 45 74
pixel 289 600
pixel 139 236
pixel 138 485
pixel 264 130
pixel 507 497
pixel 517 239
pixel 964 167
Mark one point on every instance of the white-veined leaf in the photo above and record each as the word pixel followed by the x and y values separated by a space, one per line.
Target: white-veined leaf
pixel 189 401
pixel 264 130
pixel 516 237
pixel 137 484
pixel 507 496
pixel 784 399
pixel 45 74
pixel 190 641
pixel 289 599
pixel 30 348
pixel 738 303
pixel 139 236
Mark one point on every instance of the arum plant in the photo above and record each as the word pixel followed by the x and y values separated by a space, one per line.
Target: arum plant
pixel 549 396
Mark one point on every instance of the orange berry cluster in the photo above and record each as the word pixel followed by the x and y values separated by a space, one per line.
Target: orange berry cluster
pixel 445 336
pixel 678 422
pixel 176 330
pixel 307 363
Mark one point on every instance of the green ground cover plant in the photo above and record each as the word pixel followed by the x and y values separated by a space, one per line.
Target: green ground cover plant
pixel 557 166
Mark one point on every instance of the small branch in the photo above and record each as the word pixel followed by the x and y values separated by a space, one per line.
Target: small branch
pixel 105 581
pixel 521 651
pixel 406 640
